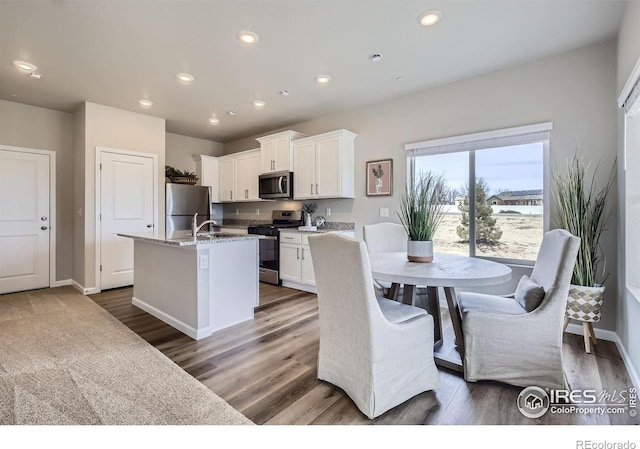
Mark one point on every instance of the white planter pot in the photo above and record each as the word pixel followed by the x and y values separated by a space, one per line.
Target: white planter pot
pixel 585 303
pixel 419 251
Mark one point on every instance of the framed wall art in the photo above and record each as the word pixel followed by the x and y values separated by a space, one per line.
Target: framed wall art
pixel 380 177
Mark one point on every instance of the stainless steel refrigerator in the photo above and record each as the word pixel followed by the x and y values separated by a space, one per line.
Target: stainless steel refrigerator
pixel 182 201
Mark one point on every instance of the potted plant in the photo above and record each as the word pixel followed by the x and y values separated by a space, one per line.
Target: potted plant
pixel 581 210
pixel 421 211
pixel 308 208
pixel 180 177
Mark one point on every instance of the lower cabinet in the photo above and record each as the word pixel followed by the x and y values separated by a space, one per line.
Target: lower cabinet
pixel 296 265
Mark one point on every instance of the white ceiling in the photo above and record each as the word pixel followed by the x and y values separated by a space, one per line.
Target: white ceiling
pixel 117 52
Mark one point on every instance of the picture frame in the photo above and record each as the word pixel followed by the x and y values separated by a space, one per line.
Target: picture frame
pixel 379 179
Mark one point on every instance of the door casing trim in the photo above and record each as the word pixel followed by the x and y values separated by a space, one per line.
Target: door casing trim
pixel 98 204
pixel 52 204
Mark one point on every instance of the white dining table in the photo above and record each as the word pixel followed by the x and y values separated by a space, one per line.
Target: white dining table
pixel 448 271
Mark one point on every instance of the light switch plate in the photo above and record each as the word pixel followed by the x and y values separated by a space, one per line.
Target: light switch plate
pixel 384 211
pixel 327 211
pixel 204 261
pixel 257 211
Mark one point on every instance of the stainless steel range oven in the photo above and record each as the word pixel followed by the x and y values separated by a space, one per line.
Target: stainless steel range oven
pixel 270 242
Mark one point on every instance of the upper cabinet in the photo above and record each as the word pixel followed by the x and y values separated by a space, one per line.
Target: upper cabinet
pixel 207 171
pixel 276 151
pixel 238 175
pixel 324 166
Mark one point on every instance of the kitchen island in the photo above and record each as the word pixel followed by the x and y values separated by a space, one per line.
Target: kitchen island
pixel 198 285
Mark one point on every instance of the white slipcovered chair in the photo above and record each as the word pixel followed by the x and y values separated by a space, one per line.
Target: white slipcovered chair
pixel 385 237
pixel 504 341
pixel 380 352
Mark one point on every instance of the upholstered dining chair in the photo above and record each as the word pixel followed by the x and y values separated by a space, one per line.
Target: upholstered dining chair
pixel 380 352
pixel 518 339
pixel 385 237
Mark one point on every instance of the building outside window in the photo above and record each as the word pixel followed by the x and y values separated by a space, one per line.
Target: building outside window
pixel 508 214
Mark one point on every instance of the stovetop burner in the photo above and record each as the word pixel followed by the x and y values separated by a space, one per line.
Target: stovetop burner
pixel 281 219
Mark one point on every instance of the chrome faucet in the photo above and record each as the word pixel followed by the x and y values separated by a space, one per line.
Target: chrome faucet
pixel 194 225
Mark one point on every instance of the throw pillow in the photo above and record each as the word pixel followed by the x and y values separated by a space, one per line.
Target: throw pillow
pixel 529 294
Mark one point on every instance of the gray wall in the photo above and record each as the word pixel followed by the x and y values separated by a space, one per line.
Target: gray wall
pixel 182 151
pixel 44 129
pixel 629 307
pixel 574 90
pixel 122 130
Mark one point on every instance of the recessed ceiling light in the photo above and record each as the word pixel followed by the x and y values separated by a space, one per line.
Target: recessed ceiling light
pixel 285 92
pixel 184 78
pixel 429 18
pixel 25 66
pixel 375 57
pixel 13 95
pixel 145 103
pixel 231 113
pixel 323 79
pixel 247 37
pixel 400 78
pixel 214 120
pixel 259 104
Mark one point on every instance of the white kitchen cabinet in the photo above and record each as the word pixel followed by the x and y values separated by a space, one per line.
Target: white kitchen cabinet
pixel 227 179
pixel 323 166
pixel 208 171
pixel 276 151
pixel 238 174
pixel 247 170
pixel 296 265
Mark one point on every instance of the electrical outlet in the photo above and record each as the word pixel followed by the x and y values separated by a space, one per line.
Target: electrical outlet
pixel 327 211
pixel 257 211
pixel 237 211
pixel 204 261
pixel 384 211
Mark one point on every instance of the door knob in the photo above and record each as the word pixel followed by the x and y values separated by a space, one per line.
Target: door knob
pixel 43 218
pixel 44 228
pixel 149 226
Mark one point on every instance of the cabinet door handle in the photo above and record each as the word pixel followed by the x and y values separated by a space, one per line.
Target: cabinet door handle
pixel 302 253
pixel 317 190
pixel 44 228
pixel 297 253
pixel 231 194
pixel 246 193
pixel 311 189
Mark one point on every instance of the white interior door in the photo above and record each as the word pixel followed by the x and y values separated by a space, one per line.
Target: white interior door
pixel 126 205
pixel 24 221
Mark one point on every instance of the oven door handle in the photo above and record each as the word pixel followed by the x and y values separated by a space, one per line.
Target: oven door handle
pixel 280 184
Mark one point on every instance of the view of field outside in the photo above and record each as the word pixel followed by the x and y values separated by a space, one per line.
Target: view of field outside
pixel 509 198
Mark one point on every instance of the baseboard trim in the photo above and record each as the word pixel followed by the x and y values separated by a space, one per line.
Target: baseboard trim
pixel 62 283
pixel 83 290
pixel 171 321
pixel 601 334
pixel 299 286
pixel 633 374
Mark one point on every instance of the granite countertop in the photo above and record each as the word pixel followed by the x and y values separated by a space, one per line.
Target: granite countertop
pixel 204 238
pixel 330 226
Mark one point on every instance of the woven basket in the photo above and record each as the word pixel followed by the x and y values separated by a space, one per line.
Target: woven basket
pixel 184 180
pixel 585 303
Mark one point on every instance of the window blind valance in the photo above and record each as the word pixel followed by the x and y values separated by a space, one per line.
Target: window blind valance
pixel 519 135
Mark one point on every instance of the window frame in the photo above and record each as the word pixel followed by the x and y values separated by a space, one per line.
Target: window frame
pixel 471 143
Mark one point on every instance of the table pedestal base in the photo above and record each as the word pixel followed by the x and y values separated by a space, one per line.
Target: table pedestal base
pixel 448 351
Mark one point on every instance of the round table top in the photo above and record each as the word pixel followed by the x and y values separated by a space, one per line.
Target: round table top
pixel 446 270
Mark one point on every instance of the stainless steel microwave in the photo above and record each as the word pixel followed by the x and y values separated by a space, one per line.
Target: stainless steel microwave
pixel 276 185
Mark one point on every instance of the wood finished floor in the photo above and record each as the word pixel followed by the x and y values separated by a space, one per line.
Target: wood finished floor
pixel 266 369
